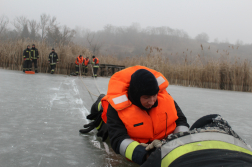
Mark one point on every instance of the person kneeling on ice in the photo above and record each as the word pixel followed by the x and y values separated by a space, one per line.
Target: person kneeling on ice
pixel 137 109
pixel 210 142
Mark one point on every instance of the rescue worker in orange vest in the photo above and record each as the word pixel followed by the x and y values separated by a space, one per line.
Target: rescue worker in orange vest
pixel 85 65
pixel 95 65
pixel 136 111
pixel 78 63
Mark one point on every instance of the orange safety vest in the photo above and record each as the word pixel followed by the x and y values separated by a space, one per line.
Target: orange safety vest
pixel 97 62
pixel 86 61
pixel 79 60
pixel 142 126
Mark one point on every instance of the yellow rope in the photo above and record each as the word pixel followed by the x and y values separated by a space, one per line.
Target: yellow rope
pixel 88 89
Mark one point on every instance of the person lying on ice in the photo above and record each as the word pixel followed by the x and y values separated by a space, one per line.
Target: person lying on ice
pixel 137 109
pixel 210 142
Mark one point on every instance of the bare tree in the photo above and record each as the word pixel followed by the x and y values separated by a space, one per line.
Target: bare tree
pixel 44 21
pixel 53 25
pixel 25 33
pixel 34 28
pixel 19 23
pixel 94 45
pixel 53 34
pixel 67 35
pixel 4 21
pixel 56 34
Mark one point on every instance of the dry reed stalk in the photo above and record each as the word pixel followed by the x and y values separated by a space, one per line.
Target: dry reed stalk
pixel 184 69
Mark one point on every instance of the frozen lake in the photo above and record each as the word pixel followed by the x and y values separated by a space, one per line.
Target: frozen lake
pixel 41 114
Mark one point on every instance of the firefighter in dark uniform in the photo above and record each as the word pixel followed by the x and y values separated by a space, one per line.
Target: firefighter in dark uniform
pixel 95 65
pixel 35 57
pixel 85 65
pixel 53 59
pixel 27 59
pixel 210 142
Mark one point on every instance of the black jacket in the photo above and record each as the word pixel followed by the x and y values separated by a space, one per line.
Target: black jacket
pixel 34 53
pixel 53 58
pixel 117 131
pixel 27 54
pixel 231 150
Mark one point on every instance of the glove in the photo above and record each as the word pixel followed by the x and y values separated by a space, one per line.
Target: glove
pixel 92 125
pixel 99 125
pixel 88 127
pixel 24 58
pixel 154 144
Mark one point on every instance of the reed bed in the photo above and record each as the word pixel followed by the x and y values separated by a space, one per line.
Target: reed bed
pixel 220 73
pixel 11 55
pixel 214 74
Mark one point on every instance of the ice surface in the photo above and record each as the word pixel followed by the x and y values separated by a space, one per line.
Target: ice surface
pixel 41 114
pixel 235 107
pixel 40 118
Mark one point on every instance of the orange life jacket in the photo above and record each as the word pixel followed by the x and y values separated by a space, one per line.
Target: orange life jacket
pixel 79 60
pixel 97 62
pixel 86 61
pixel 141 125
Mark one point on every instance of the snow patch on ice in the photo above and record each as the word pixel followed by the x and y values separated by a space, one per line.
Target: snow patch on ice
pixel 75 87
pixel 78 101
pixel 52 100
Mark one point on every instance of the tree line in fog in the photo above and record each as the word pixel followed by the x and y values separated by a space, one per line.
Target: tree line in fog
pixel 46 29
pixel 122 41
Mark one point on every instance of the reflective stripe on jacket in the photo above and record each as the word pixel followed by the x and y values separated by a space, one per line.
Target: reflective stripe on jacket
pixel 207 147
pixel 34 53
pixel 53 58
pixel 97 61
pixel 27 54
pixel 141 126
pixel 192 143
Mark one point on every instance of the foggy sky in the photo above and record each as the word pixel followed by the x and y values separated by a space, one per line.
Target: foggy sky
pixel 227 20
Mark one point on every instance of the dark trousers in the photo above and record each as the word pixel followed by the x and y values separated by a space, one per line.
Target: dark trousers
pixel 35 64
pixel 52 68
pixel 77 68
pixel 27 65
pixel 95 71
pixel 85 70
